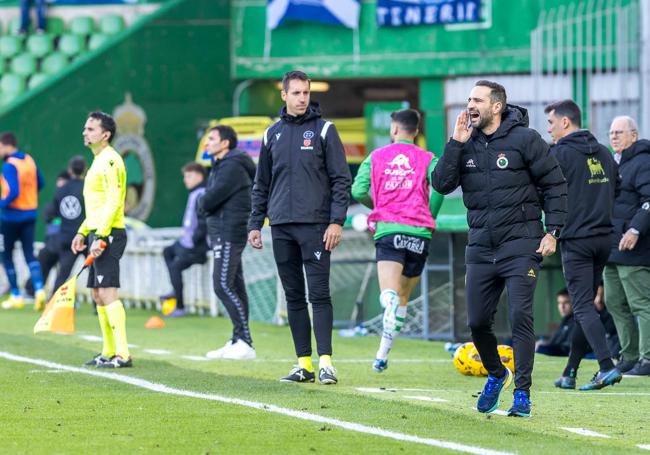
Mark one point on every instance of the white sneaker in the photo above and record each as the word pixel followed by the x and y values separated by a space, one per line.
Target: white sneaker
pixel 240 350
pixel 218 354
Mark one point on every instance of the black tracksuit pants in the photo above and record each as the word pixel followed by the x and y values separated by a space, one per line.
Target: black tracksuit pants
pixel 484 284
pixel 296 246
pixel 583 261
pixel 228 281
pixel 179 258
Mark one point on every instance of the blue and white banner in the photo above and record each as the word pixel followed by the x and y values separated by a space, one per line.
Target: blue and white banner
pixel 401 13
pixel 336 12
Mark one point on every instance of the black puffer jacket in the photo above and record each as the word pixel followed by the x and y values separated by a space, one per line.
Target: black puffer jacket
pixel 632 205
pixel 227 199
pixel 500 177
pixel 302 175
pixel 591 174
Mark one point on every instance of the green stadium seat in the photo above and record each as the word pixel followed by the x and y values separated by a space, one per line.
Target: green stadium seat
pixel 2 65
pixel 36 79
pixel 96 40
pixel 55 26
pixel 71 44
pixel 23 64
pixel 6 98
pixel 10 46
pixel 81 25
pixel 12 83
pixel 14 26
pixel 54 63
pixel 40 45
pixel 111 24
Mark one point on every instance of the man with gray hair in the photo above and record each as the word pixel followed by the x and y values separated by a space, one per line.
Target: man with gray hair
pixel 627 274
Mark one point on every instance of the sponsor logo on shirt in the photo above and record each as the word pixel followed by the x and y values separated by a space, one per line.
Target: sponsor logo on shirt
pixel 596 171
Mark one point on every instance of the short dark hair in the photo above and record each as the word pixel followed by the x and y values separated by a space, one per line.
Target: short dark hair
pixel 497 94
pixel 106 122
pixel 408 119
pixel 77 165
pixel 568 109
pixel 193 166
pixel 9 138
pixel 226 133
pixel 564 292
pixel 294 75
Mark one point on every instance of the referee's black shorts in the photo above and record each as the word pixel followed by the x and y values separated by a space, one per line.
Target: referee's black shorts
pixel 105 271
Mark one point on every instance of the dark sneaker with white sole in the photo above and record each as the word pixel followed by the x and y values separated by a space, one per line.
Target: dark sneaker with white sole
pixel 642 368
pixel 96 360
pixel 327 375
pixel 626 365
pixel 116 362
pixel 299 375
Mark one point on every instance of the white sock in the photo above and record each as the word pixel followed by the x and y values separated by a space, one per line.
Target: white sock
pixel 384 346
pixel 400 313
pixel 388 297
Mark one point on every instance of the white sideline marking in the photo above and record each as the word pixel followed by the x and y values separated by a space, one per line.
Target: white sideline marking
pixel 161 388
pixel 585 432
pixel 157 351
pixel 644 446
pixel 92 338
pixel 197 358
pixel 46 371
pixel 421 398
pixel 498 412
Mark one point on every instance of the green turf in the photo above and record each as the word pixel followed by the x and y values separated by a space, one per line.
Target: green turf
pixel 65 412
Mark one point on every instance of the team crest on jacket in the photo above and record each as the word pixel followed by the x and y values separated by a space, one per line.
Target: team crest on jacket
pixel 502 161
pixel 307 137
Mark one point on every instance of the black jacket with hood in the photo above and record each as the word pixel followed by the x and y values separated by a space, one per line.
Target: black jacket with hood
pixel 227 199
pixel 591 175
pixel 302 174
pixel 500 176
pixel 632 205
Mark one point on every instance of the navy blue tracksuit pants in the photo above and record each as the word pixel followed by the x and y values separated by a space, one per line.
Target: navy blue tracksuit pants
pixel 485 283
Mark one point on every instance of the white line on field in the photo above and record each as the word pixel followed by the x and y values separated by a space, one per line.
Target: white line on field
pixel 352 426
pixel 585 432
pixel 197 358
pixel 498 412
pixel 46 371
pixel 644 446
pixel 157 351
pixel 422 398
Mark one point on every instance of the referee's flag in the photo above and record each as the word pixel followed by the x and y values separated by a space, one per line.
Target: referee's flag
pixel 59 312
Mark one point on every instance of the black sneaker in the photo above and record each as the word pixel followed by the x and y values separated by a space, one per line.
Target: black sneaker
pixel 96 360
pixel 327 375
pixel 626 365
pixel 116 362
pixel 642 368
pixel 299 375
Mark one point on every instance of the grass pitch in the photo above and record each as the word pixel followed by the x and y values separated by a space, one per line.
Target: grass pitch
pixel 49 410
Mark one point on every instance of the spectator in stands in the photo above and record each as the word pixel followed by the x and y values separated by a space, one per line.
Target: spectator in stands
pixel 192 247
pixel 627 274
pixel 560 342
pixel 21 181
pixel 25 6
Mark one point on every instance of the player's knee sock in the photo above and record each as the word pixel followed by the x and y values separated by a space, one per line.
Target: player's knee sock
pixel 37 275
pixel 305 362
pixel 384 346
pixel 117 319
pixel 325 361
pixel 108 346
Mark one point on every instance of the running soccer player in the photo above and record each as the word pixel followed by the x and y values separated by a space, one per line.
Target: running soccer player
pixel 103 229
pixel 403 219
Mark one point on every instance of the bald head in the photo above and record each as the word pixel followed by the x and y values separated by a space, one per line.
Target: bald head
pixel 623 133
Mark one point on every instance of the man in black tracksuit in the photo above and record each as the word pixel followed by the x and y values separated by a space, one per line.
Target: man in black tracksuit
pixel 303 186
pixel 226 203
pixel 500 164
pixel 590 171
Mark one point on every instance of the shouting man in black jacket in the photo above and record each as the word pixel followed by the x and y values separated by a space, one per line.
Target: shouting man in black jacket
pixel 590 171
pixel 500 164
pixel 303 186
pixel 226 204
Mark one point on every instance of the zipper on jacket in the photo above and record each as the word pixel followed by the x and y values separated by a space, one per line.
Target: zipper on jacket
pixel 489 182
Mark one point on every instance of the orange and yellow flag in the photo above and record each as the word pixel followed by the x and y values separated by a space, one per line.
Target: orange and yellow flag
pixel 59 312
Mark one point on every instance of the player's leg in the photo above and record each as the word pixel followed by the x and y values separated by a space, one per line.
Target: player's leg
pixel 389 274
pixel 625 322
pixel 288 259
pixel 26 235
pixel 10 233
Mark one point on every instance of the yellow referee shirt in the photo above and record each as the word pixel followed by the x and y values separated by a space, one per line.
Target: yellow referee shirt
pixel 104 194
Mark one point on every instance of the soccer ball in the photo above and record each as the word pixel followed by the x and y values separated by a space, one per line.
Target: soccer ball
pixel 507 356
pixel 475 363
pixel 461 360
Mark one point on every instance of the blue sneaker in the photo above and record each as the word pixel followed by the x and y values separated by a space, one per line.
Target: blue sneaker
pixel 520 405
pixel 565 382
pixel 488 401
pixel 603 379
pixel 379 365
